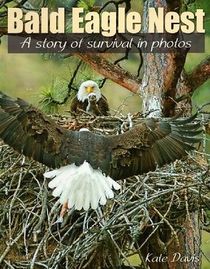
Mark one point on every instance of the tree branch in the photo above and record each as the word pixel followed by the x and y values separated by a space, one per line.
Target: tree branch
pixel 3 30
pixel 107 69
pixel 111 71
pixel 199 75
pixel 189 82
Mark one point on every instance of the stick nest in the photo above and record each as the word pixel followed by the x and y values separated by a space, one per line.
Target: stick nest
pixel 31 237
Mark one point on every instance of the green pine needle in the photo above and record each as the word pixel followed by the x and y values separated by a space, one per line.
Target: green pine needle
pixel 86 4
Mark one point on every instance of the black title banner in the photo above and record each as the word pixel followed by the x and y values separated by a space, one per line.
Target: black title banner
pixel 96 43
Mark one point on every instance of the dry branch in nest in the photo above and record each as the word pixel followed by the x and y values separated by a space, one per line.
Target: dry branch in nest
pixel 31 237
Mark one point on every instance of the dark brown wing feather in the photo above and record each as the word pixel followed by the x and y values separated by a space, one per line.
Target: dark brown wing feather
pixel 30 132
pixel 139 150
pixel 103 106
pixel 77 107
pixel 151 144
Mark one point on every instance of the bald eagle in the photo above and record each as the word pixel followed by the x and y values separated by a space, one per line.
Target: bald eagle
pixel 90 99
pixel 87 165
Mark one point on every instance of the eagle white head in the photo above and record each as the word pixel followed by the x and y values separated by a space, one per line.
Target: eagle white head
pixel 86 88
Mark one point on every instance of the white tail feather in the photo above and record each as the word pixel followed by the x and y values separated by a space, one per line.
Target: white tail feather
pixel 81 186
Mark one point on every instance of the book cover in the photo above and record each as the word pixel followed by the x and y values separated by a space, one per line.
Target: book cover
pixel 104 134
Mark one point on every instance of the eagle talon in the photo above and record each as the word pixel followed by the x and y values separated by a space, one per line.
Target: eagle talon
pixel 64 209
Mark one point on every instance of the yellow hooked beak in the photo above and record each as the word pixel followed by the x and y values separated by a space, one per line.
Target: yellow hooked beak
pixel 89 89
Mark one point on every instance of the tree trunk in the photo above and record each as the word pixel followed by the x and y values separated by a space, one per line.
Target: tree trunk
pixel 159 90
pixel 161 71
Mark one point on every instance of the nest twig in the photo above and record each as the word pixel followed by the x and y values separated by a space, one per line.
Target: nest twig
pixel 31 237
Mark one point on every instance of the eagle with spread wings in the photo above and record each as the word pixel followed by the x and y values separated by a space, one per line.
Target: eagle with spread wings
pixel 87 165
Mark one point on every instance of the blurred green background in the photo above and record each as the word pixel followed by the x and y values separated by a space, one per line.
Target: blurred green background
pixel 29 76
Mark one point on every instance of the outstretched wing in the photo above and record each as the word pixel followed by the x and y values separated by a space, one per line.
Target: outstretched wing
pixel 151 144
pixel 30 132
pixel 139 150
